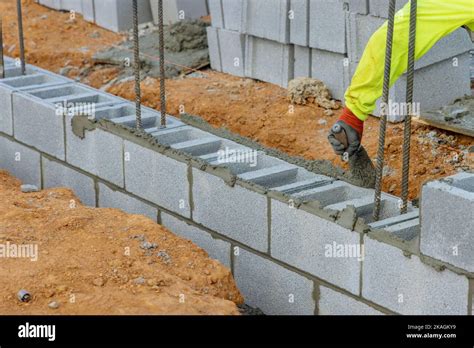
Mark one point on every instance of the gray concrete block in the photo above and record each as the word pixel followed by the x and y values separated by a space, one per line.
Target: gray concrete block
pixel 216 248
pixel 406 226
pixel 72 5
pixel 302 62
pixel 88 10
pixel 357 6
pixel 327 29
pixel 435 86
pixel 331 68
pixel 269 61
pixel 168 187
pixel 99 153
pixel 177 10
pixel 116 15
pixel 272 288
pixel 311 243
pixel 217 14
pixel 20 161
pixel 214 48
pixel 234 14
pixel 359 30
pixel 232 49
pixel 379 8
pixel 235 212
pixel 407 286
pixel 299 22
pixel 110 198
pixel 333 302
pixel 447 216
pixel 8 86
pixel 267 19
pixel 56 174
pixel 54 4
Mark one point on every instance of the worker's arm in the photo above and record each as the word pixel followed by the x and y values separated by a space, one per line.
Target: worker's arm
pixel 435 20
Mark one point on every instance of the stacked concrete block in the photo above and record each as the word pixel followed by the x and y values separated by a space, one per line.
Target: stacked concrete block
pixel 379 8
pixel 217 248
pixel 20 161
pixel 299 16
pixel 111 198
pixel 328 25
pixel 72 5
pixel 214 48
pixel 177 10
pixel 232 52
pixel 331 68
pixel 405 285
pixel 267 19
pixel 88 10
pixel 332 302
pixel 271 287
pixel 269 61
pixel 302 64
pixel 56 174
pixel 116 15
pixel 447 214
pixel 217 13
pixel 54 4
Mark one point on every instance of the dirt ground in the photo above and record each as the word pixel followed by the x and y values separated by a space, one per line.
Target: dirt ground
pixel 102 261
pixel 254 109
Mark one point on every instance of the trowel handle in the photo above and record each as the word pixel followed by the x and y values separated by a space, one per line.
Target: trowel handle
pixel 340 135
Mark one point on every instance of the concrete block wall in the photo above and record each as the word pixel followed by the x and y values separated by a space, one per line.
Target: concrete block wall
pixel 116 15
pixel 297 242
pixel 336 32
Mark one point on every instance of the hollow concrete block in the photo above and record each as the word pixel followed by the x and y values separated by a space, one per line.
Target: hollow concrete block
pixel 214 48
pixel 232 52
pixel 269 61
pixel 327 26
pixel 357 6
pixel 331 68
pixel 8 86
pixel 271 287
pixel 299 22
pixel 302 67
pixel 88 10
pixel 56 174
pixel 405 285
pixel 234 14
pixel 226 210
pixel 168 185
pixel 332 302
pixel 21 161
pixel 379 8
pixel 267 19
pixel 176 10
pixel 116 15
pixel 110 198
pixel 447 215
pixel 216 248
pixel 72 5
pixel 309 243
pixel 217 14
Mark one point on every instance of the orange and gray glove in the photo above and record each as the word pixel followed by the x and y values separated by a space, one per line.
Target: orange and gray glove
pixel 346 135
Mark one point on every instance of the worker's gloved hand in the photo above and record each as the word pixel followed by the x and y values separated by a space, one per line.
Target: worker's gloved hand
pixel 346 134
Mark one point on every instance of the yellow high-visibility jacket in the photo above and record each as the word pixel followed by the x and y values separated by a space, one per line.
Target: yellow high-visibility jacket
pixel 435 20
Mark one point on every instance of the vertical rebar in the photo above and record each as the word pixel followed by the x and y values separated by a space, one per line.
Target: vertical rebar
pixel 162 64
pixel 383 116
pixel 2 63
pixel 136 51
pixel 409 101
pixel 21 37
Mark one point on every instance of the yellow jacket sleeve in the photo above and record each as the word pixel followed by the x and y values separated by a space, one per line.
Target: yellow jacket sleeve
pixel 435 20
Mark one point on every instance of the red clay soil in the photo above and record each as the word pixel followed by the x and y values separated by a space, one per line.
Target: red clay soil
pixel 92 261
pixel 254 109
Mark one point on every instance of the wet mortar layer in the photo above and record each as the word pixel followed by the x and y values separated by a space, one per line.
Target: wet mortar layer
pixel 346 218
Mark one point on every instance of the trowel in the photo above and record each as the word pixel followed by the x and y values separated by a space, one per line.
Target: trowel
pixel 361 169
